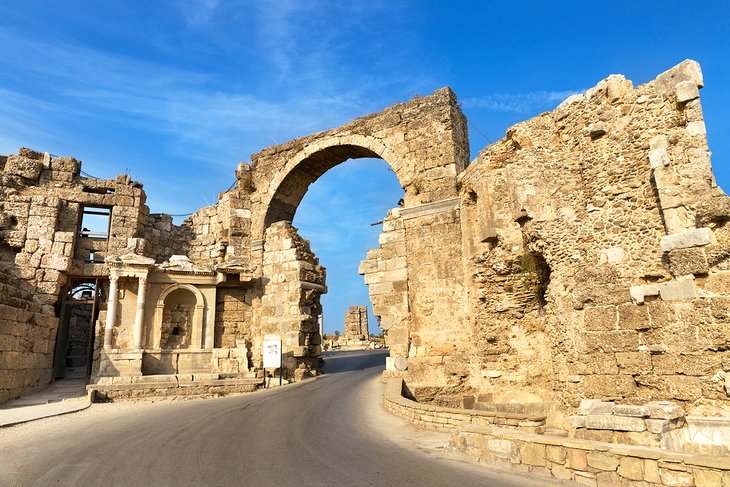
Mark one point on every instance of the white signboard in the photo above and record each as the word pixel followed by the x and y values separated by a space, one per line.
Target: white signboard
pixel 272 351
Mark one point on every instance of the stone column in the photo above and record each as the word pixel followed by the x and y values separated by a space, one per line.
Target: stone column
pixel 139 317
pixel 111 311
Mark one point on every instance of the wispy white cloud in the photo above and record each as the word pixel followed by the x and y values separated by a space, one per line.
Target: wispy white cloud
pixel 198 13
pixel 519 102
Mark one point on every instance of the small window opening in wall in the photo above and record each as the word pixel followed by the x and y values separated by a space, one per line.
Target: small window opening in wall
pixel 176 331
pixel 95 222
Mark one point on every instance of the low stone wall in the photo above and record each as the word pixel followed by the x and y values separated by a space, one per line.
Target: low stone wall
pixel 171 387
pixel 516 441
pixel 588 462
pixel 442 418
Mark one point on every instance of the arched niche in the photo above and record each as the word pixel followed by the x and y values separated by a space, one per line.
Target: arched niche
pixel 178 302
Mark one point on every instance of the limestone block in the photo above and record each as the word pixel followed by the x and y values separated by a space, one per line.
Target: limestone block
pixel 659 141
pixel 595 406
pixel 615 423
pixel 682 288
pixel 555 454
pixel 602 461
pixel 686 91
pixel 561 473
pixel 664 410
pixel 707 478
pixel 658 157
pixel 694 237
pixel 500 447
pixel 597 129
pixel 687 70
pixel 633 363
pixel 617 87
pixel 661 426
pixel 23 166
pixel 631 410
pixel 631 468
pixel 678 219
pixel 651 471
pixel 577 459
pixel 676 478
pixel 633 317
pixel 696 128
pixel 600 318
pixel 533 454
pixel 585 478
pixel 688 261
pixel 613 255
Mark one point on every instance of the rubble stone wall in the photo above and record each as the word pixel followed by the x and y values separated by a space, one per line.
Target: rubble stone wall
pixel 595 248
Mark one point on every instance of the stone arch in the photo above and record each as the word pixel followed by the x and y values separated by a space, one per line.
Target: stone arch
pixel 424 141
pixel 199 337
pixel 292 181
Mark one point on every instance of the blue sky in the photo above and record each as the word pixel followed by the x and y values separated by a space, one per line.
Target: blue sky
pixel 177 93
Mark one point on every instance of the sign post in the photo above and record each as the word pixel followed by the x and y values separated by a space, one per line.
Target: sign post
pixel 272 354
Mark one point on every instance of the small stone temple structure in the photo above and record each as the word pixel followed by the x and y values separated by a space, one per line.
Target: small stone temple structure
pixel 585 256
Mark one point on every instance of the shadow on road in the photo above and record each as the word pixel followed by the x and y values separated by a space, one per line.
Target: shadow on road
pixel 337 362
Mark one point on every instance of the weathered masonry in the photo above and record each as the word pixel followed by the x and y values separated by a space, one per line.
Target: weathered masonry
pixel 583 256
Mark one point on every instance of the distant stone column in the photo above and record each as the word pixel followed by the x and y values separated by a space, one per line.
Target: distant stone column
pixel 111 311
pixel 139 317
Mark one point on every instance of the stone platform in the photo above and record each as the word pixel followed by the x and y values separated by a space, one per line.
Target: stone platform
pixel 172 387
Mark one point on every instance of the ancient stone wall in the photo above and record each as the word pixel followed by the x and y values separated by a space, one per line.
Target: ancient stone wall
pixel 234 316
pixel 27 339
pixel 163 238
pixel 439 339
pixel 386 273
pixel 595 248
pixel 290 305
pixel 43 242
pixel 356 323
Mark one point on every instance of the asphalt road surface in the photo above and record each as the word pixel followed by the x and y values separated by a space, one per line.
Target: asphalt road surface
pixel 328 431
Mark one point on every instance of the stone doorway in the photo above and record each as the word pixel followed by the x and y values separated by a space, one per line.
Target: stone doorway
pixel 79 310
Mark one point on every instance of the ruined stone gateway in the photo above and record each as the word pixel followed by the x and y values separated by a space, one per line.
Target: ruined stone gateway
pixel 583 256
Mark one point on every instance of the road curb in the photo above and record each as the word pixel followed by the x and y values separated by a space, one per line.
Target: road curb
pixel 26 414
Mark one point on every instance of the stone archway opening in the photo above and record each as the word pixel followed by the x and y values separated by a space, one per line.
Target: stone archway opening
pixel 425 143
pixel 342 214
pixel 290 192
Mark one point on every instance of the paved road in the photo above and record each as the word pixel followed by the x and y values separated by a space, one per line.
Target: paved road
pixel 328 431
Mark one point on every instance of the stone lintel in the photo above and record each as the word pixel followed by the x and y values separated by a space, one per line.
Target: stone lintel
pixel 430 208
pixel 693 237
pixel 682 288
